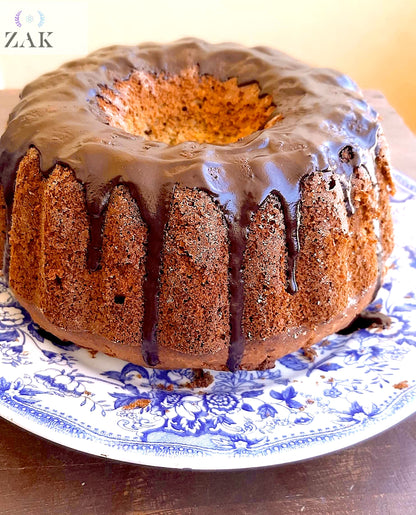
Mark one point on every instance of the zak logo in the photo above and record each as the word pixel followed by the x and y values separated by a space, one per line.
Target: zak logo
pixel 29 33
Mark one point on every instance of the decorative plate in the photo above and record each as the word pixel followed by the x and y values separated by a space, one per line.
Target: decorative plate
pixel 355 387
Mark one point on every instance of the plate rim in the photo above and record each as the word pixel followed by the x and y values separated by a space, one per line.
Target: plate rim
pixel 230 462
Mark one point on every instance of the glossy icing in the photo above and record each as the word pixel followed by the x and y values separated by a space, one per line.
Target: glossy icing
pixel 325 126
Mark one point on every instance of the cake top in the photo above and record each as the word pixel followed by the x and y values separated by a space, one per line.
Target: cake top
pixel 235 122
pixel 317 113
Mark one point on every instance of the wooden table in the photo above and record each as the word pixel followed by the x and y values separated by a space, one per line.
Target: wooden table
pixel 376 476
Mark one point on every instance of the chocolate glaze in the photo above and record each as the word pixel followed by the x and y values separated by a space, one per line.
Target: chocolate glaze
pixel 326 126
pixel 367 319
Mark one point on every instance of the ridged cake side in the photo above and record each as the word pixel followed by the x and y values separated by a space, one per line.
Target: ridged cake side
pixel 338 267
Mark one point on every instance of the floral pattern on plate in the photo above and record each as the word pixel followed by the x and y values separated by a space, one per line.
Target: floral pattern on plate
pixel 356 386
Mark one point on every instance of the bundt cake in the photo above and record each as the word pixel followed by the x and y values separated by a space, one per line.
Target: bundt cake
pixel 194 205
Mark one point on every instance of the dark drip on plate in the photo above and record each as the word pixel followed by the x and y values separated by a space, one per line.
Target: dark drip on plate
pixel 60 117
pixel 367 319
pixel 51 337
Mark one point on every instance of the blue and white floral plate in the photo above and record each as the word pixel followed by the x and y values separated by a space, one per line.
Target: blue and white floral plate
pixel 356 387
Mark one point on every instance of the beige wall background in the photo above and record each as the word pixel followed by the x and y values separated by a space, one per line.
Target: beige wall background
pixel 374 41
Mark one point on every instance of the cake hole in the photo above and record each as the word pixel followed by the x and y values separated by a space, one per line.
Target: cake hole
pixel 119 299
pixel 186 107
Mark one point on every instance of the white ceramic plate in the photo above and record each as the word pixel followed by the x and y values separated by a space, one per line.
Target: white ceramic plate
pixel 297 410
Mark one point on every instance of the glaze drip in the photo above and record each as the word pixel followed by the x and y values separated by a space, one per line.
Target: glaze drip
pixel 337 137
pixel 156 223
pixel 97 203
pixel 291 214
pixel 237 236
pixel 367 319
